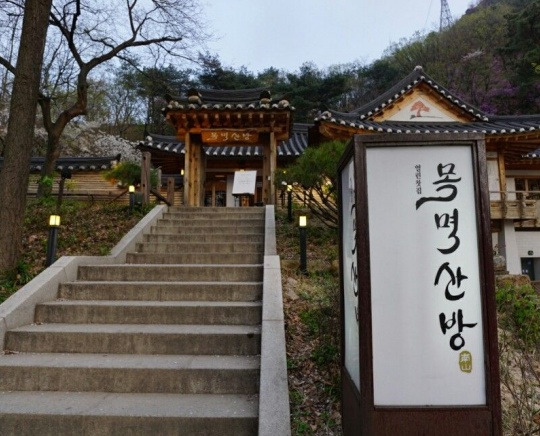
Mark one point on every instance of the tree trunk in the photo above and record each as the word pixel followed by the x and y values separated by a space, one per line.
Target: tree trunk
pixel 51 156
pixel 55 129
pixel 20 134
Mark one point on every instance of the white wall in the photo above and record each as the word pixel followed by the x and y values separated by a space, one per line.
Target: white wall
pixel 508 247
pixel 230 197
pixel 528 241
pixel 511 186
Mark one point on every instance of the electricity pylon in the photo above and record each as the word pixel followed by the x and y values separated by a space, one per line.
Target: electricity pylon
pixel 446 16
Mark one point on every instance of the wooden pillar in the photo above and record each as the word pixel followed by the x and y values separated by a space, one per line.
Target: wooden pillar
pixel 502 170
pixel 201 174
pixel 145 178
pixel 266 172
pixel 187 169
pixel 213 194
pixel 197 170
pixel 170 190
pixel 273 165
pixel 193 175
pixel 502 178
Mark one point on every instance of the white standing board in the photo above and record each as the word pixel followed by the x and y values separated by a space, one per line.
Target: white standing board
pixel 244 182
pixel 428 346
pixel 350 274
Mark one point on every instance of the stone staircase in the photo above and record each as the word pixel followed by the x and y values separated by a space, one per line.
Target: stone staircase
pixel 167 343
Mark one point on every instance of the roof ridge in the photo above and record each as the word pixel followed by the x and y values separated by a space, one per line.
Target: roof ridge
pixel 400 88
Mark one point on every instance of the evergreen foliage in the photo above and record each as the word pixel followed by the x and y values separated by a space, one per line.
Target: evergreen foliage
pixel 315 172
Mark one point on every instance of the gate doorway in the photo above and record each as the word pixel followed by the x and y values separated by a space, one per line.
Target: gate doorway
pixel 527 267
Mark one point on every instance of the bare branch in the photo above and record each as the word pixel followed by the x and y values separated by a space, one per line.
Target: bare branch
pixel 4 62
pixel 57 22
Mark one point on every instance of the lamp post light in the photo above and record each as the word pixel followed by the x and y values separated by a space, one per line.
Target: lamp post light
pixel 54 224
pixel 289 203
pixel 282 195
pixel 302 223
pixel 131 198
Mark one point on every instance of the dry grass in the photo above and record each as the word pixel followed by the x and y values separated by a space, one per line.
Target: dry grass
pixel 311 304
pixel 86 228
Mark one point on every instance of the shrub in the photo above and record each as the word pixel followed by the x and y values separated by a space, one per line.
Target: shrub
pixel 519 308
pixel 129 173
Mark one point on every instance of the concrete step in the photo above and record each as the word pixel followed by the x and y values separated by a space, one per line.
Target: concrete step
pixel 162 291
pixel 214 216
pixel 149 312
pixel 201 247
pixel 216 210
pixel 213 223
pixel 191 258
pixel 99 413
pixel 221 230
pixel 135 339
pixel 128 373
pixel 188 272
pixel 167 236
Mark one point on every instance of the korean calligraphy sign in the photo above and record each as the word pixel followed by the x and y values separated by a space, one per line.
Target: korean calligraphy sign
pixel 230 136
pixel 422 297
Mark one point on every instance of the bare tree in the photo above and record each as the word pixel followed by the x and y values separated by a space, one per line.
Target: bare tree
pixel 95 32
pixel 17 152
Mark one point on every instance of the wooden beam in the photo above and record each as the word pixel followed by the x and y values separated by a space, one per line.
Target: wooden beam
pixel 206 121
pixel 160 197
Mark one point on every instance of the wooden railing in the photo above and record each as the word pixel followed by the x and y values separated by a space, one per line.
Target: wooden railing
pixel 520 207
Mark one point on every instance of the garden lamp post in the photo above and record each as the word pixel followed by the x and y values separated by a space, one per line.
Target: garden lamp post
pixel 282 195
pixel 302 222
pixel 131 198
pixel 289 203
pixel 54 224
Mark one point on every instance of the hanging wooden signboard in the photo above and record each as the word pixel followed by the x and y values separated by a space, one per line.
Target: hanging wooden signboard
pixel 230 136
pixel 418 312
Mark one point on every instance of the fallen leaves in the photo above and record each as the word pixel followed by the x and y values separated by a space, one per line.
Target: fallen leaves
pixel 312 331
pixel 86 229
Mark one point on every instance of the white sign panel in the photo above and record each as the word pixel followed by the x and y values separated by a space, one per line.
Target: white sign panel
pixel 244 182
pixel 425 283
pixel 350 273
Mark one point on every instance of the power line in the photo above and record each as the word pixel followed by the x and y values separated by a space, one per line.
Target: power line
pixel 427 17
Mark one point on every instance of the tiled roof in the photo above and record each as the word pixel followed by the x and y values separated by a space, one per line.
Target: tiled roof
pixel 521 133
pixel 75 163
pixel 293 147
pixel 496 125
pixel 397 92
pixel 213 96
pixel 243 99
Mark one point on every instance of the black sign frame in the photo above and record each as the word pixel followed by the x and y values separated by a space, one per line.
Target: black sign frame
pixel 359 414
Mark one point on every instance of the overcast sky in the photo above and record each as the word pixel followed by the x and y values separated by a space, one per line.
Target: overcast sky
pixel 286 33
